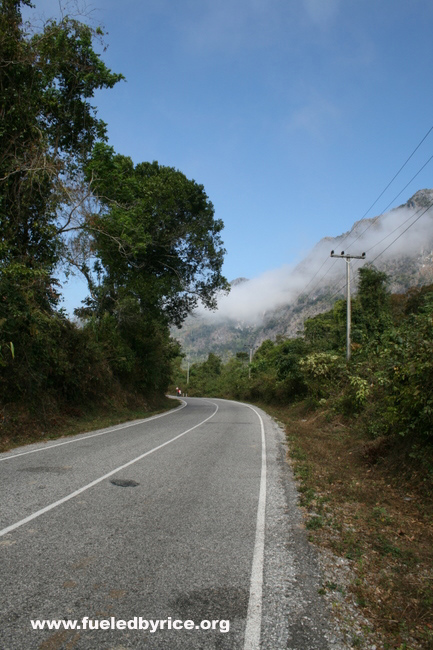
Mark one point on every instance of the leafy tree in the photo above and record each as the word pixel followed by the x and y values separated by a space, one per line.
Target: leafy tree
pixel 155 236
pixel 327 331
pixel 372 307
pixel 205 377
pixel 404 374
pixel 264 355
pixel 290 379
pixel 48 128
pixel 417 299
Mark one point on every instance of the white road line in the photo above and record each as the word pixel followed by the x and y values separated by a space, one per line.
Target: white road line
pixel 254 613
pixel 94 435
pixel 26 520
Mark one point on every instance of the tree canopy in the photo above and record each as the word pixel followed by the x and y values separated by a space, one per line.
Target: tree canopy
pixel 48 127
pixel 155 236
pixel 144 235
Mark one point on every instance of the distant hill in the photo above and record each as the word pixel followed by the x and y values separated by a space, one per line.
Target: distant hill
pixel 278 304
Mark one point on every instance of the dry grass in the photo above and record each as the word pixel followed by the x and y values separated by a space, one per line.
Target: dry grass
pixel 366 504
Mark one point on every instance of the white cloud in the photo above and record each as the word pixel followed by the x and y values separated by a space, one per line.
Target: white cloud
pixel 248 302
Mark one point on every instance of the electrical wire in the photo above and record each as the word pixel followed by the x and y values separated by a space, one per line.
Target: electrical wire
pixel 393 231
pixel 316 273
pixel 391 202
pixel 367 211
pixel 390 183
pixel 342 287
pixel 363 232
pixel 395 176
pixel 405 230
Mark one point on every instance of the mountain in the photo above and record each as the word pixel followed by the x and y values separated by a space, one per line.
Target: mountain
pixel 399 242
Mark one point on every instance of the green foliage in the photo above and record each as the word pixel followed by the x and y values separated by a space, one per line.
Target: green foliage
pixel 327 331
pixel 48 126
pixel 65 197
pixel 320 365
pixel 372 308
pixel 204 377
pixel 322 372
pixel 388 384
pixel 70 367
pixel 407 375
pixel 163 226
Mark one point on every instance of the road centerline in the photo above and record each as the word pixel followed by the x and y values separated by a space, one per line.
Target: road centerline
pixel 72 495
pixel 95 435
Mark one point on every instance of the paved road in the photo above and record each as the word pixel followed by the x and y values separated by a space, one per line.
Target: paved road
pixel 189 516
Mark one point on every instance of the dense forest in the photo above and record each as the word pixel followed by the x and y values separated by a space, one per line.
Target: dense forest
pixel 143 235
pixel 387 387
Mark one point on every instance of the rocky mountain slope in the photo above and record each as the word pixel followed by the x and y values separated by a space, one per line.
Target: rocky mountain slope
pixel 399 242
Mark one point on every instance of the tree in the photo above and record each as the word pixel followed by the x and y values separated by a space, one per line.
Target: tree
pixel 155 237
pixel 48 128
pixel 372 307
pixel 205 378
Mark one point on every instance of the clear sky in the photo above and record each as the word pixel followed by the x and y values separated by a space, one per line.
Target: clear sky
pixel 293 114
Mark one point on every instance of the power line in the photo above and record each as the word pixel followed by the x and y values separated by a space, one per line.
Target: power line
pixel 395 176
pixel 391 202
pixel 391 181
pixel 406 229
pixel 389 246
pixel 383 239
pixel 316 273
pixel 395 230
pixel 364 215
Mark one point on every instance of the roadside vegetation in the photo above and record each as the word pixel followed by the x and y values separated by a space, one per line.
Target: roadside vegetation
pixel 25 427
pixel 143 236
pixel 360 438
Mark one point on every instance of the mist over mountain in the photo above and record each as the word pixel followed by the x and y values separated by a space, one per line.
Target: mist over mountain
pixel 399 242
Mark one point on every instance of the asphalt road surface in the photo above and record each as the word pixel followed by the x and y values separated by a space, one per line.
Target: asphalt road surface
pixel 180 531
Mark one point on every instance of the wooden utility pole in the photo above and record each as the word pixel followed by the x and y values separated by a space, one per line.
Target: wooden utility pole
pixel 349 313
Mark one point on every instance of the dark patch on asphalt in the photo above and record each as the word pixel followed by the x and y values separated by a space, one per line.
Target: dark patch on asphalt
pixel 225 603
pixel 120 482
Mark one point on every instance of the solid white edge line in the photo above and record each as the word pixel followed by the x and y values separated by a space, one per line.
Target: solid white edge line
pixel 254 614
pixel 26 520
pixel 84 436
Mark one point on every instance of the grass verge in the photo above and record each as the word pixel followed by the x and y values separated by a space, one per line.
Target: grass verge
pixel 29 425
pixel 363 502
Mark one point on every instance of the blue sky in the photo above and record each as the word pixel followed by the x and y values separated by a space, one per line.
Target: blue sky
pixel 293 114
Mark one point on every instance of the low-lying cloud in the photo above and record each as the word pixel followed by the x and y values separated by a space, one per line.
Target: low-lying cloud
pixel 407 231
pixel 250 300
